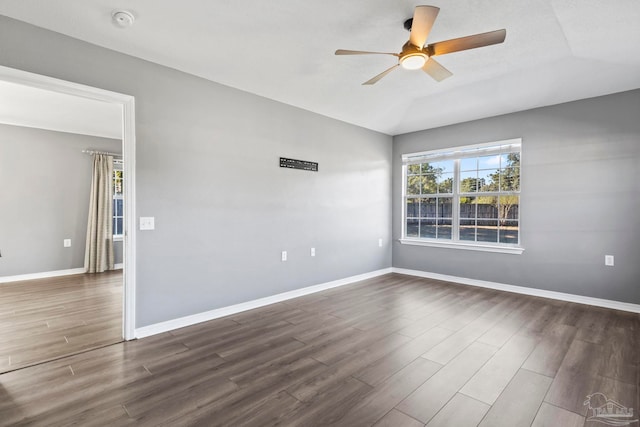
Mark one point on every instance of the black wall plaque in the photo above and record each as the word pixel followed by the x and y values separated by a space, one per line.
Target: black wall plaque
pixel 298 164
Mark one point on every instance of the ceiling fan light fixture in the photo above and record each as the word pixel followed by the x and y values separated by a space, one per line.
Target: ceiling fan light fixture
pixel 416 54
pixel 413 61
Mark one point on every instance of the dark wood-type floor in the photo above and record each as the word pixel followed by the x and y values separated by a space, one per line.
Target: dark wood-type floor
pixel 45 319
pixel 391 351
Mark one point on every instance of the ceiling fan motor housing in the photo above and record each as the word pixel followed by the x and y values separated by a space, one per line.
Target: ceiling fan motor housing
pixel 412 57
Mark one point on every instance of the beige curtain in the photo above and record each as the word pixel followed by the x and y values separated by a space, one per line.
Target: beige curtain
pixel 98 255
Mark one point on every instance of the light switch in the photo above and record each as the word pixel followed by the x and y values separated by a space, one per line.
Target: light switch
pixel 284 255
pixel 147 223
pixel 66 243
pixel 608 260
pixel 313 251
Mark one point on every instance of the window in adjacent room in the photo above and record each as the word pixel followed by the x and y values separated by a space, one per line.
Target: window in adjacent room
pixel 467 197
pixel 118 208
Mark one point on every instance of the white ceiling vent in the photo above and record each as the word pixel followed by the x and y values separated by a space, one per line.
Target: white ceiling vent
pixel 122 18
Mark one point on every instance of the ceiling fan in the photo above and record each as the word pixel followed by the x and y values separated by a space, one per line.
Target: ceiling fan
pixel 415 54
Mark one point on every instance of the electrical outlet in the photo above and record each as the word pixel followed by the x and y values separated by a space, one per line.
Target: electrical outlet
pixel 608 260
pixel 313 251
pixel 284 255
pixel 66 243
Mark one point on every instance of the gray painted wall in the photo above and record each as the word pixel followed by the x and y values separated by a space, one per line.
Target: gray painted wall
pixel 580 199
pixel 207 170
pixel 46 181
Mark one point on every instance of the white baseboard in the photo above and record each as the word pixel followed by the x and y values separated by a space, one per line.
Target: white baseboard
pixel 598 302
pixel 43 275
pixel 181 322
pixel 47 274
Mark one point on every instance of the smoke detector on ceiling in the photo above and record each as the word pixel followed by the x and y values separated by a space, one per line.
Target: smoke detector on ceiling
pixel 122 18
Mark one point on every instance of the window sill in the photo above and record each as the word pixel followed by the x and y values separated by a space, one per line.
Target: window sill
pixel 517 250
pixel 118 238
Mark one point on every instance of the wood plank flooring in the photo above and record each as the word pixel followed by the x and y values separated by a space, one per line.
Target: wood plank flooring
pixel 45 319
pixel 390 351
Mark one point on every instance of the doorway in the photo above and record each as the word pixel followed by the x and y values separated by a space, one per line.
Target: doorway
pixel 113 286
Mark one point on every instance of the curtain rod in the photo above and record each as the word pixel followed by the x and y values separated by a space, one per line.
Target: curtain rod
pixel 101 152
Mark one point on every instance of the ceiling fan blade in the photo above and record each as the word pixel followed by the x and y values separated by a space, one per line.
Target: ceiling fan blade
pixel 436 70
pixel 381 75
pixel 469 42
pixel 423 18
pixel 361 52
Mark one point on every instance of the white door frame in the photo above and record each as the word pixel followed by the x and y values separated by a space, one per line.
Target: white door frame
pixel 129 157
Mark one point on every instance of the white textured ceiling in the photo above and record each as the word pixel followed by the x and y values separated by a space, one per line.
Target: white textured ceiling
pixel 43 109
pixel 555 51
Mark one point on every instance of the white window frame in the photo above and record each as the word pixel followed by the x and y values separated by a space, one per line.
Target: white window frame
pixel 456 154
pixel 118 166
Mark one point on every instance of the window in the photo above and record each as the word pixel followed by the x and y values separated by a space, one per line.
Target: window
pixel 118 200
pixel 466 197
